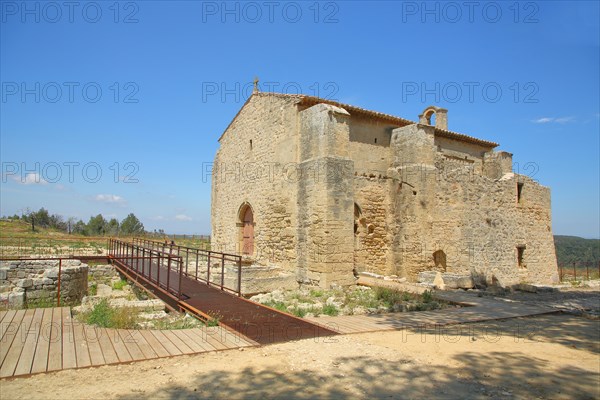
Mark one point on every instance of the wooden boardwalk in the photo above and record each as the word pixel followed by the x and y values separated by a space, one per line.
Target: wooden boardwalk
pixel 48 339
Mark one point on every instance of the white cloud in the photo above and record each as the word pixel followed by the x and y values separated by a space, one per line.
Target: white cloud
pixel 110 199
pixel 30 179
pixel 559 120
pixel 182 217
pixel 158 218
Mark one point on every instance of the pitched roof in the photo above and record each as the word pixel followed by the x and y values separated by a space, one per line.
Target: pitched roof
pixel 308 101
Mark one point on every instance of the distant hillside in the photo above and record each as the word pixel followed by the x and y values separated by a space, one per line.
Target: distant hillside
pixel 571 249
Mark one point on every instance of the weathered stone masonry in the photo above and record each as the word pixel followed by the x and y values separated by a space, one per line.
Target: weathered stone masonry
pixel 30 283
pixel 334 190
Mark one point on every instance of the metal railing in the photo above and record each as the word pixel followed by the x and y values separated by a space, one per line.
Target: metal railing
pixel 202 265
pixel 162 269
pixel 579 271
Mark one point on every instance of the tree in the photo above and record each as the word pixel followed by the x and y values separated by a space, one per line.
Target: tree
pixel 42 218
pixel 96 226
pixel 112 227
pixel 57 222
pixel 131 225
pixel 71 225
pixel 79 228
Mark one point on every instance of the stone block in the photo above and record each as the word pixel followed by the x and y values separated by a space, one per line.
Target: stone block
pixel 453 281
pixel 25 283
pixel 427 277
pixel 16 300
pixel 3 274
pixel 53 273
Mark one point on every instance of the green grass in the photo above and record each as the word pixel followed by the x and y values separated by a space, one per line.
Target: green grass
pixel 278 305
pixel 119 285
pixel 93 289
pixel 330 309
pixel 43 302
pixel 388 296
pixel 427 296
pixel 106 316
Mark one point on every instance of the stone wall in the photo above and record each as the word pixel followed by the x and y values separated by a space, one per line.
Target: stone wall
pixel 257 165
pixel 334 194
pixel 31 283
pixel 103 273
pixel 475 223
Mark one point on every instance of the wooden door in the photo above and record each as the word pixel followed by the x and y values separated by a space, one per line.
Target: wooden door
pixel 248 233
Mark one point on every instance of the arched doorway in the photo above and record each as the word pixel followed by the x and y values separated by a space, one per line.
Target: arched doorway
pixel 247 229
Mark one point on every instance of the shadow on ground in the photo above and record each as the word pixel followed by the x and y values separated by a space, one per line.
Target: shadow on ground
pixel 477 377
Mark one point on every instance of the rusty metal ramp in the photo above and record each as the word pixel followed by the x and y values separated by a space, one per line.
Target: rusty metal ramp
pixel 167 272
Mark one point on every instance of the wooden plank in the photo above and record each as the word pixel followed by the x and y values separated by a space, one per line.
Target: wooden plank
pixel 195 347
pixel 40 359
pixel 55 351
pixel 108 351
pixel 132 347
pixel 82 353
pixel 155 344
pixel 229 339
pixel 207 333
pixel 34 333
pixel 196 337
pixel 9 363
pixel 6 316
pixel 92 335
pixel 69 358
pixel 139 339
pixel 166 343
pixel 185 349
pixel 6 323
pixel 120 348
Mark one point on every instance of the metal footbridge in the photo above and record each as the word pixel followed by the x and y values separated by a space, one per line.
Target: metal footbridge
pixel 206 284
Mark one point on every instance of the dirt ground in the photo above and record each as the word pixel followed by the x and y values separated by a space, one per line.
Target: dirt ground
pixel 553 356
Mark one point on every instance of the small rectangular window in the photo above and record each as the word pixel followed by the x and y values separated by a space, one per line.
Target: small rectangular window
pixel 519 191
pixel 520 256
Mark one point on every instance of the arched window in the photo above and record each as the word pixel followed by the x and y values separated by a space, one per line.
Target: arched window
pixel 246 224
pixel 439 259
pixel 357 216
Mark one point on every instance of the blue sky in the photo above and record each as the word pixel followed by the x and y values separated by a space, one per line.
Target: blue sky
pixel 141 91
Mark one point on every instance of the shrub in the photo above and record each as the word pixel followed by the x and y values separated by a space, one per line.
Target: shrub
pixel 427 296
pixel 106 316
pixel 330 309
pixel 388 296
pixel 299 312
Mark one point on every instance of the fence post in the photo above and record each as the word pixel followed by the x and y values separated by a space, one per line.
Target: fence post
pixel 574 272
pixel 208 269
pixel 59 273
pixel 587 271
pixel 239 263
pixel 196 264
pixel 180 276
pixel 222 270
pixel 168 271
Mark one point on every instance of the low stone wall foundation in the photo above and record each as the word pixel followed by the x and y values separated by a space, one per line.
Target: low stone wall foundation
pixel 34 283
